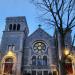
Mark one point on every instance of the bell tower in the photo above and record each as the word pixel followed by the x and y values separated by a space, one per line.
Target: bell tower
pixel 14 35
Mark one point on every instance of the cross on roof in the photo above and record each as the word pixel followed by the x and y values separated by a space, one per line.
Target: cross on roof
pixel 39 26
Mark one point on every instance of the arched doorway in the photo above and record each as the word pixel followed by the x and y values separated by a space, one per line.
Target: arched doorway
pixel 68 66
pixel 8 65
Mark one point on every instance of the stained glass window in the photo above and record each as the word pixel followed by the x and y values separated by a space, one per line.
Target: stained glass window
pixel 39 47
pixel 45 60
pixel 34 60
pixel 39 60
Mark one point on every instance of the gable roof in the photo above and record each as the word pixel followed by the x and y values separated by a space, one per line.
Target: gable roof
pixel 39 31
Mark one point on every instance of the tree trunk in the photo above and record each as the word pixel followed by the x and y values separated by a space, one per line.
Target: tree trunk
pixel 62 61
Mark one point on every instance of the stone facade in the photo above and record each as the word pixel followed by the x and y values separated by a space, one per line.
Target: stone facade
pixel 34 54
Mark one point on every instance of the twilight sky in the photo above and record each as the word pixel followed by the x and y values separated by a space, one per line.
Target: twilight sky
pixel 20 8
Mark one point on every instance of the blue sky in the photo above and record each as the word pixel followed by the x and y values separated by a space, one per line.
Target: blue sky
pixel 19 8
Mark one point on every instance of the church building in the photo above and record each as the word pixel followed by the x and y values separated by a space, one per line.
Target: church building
pixel 35 54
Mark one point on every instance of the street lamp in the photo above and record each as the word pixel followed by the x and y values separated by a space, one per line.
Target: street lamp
pixel 66 52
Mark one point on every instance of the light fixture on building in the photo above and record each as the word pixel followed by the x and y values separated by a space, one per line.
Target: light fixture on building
pixel 66 52
pixel 10 53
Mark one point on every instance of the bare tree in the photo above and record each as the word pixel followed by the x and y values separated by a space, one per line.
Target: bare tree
pixel 58 13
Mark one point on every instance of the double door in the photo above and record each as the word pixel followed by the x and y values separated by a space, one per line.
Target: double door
pixel 39 72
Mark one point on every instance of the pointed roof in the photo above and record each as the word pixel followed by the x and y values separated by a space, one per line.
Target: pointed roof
pixel 40 31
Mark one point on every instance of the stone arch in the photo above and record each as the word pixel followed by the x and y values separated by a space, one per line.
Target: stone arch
pixel 8 65
pixel 10 27
pixel 18 26
pixel 14 27
pixel 10 57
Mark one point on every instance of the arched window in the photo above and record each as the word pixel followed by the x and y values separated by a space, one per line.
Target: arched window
pixel 18 27
pixel 10 27
pixel 14 27
pixel 39 60
pixel 34 60
pixel 45 60
pixel 8 66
